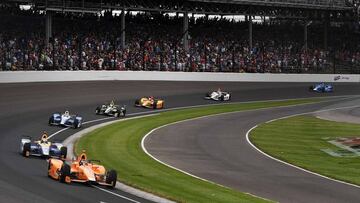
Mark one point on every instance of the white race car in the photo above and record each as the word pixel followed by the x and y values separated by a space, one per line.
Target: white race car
pixel 218 95
pixel 65 119
pixel 111 110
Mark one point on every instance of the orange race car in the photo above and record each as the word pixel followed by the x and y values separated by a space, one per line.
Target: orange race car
pixel 150 102
pixel 81 170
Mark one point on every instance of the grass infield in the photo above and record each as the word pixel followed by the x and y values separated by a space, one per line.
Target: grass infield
pixel 118 146
pixel 300 140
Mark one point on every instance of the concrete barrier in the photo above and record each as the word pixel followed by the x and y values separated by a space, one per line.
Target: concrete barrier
pixel 55 76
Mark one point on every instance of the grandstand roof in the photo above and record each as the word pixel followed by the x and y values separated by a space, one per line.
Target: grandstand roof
pixel 276 8
pixel 318 4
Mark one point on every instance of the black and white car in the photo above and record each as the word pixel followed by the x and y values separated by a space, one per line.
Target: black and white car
pixel 66 120
pixel 42 148
pixel 218 95
pixel 111 110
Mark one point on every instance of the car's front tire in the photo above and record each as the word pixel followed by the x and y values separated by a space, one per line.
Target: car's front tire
pixel 137 102
pixel 51 120
pixel 97 111
pixel 65 173
pixel 63 152
pixel 26 150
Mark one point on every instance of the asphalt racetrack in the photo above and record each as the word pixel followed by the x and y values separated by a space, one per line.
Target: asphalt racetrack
pixel 26 107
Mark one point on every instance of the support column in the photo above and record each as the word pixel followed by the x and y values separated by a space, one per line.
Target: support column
pixel 48 27
pixel 186 31
pixel 305 38
pixel 122 38
pixel 306 35
pixel 250 33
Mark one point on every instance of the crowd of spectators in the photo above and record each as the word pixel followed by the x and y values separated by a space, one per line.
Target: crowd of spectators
pixel 154 42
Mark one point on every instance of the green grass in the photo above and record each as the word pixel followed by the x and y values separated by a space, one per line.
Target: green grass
pixel 118 146
pixel 299 140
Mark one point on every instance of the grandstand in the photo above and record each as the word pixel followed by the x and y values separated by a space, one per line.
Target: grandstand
pixel 320 26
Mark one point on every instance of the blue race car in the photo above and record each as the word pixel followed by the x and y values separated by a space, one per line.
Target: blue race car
pixel 321 87
pixel 66 120
pixel 42 148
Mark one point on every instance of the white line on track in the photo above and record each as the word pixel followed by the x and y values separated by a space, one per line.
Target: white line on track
pixel 291 165
pixel 113 193
pixel 57 132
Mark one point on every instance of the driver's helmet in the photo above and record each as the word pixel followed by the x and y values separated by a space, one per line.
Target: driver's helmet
pixel 44 137
pixel 66 113
pixel 82 158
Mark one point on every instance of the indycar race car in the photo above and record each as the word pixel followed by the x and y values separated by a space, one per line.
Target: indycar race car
pixel 111 110
pixel 321 87
pixel 218 95
pixel 150 102
pixel 81 170
pixel 66 120
pixel 42 148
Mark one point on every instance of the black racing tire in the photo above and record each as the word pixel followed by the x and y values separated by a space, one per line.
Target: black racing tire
pixel 137 102
pixel 221 98
pixel 208 94
pixel 155 104
pixel 49 166
pixel 51 120
pixel 124 113
pixel 64 172
pixel 26 150
pixel 97 110
pixel 63 152
pixel 311 88
pixel 77 124
pixel 111 178
pixel 116 114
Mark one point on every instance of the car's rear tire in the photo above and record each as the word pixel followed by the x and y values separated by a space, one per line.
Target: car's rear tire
pixel 311 88
pixel 97 111
pixel 155 104
pixel 111 177
pixel 77 124
pixel 26 150
pixel 63 152
pixel 123 113
pixel 65 173
pixel 116 114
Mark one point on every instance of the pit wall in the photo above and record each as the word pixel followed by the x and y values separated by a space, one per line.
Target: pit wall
pixel 56 76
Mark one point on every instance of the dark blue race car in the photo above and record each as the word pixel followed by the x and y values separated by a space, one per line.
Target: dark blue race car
pixel 321 87
pixel 42 147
